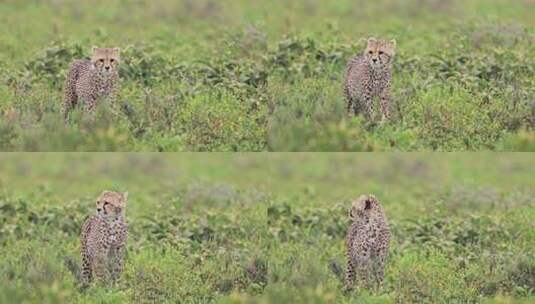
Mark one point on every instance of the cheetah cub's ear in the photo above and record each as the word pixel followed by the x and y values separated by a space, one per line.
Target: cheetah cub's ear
pixel 391 45
pixel 353 210
pixel 372 41
pixel 125 196
pixel 115 53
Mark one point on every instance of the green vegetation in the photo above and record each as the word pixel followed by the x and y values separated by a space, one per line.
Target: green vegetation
pixel 269 228
pixel 266 75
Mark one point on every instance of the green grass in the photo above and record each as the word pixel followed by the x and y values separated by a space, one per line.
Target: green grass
pixel 203 76
pixel 267 228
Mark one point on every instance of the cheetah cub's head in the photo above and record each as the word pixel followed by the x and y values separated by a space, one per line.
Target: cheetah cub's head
pixel 363 206
pixel 111 203
pixel 106 60
pixel 379 52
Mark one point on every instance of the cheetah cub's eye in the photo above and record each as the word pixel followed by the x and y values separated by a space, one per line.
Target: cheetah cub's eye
pixel 101 60
pixel 370 52
pixel 381 52
pixel 112 60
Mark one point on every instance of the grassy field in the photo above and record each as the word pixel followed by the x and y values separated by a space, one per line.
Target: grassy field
pixel 266 75
pixel 269 228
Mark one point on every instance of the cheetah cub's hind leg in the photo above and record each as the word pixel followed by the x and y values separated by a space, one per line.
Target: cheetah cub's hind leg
pixel 87 258
pixel 86 273
pixel 70 97
pixel 350 276
pixel 116 263
pixel 379 263
pixel 350 103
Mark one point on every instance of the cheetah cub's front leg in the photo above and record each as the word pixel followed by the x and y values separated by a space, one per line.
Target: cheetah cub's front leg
pixel 385 104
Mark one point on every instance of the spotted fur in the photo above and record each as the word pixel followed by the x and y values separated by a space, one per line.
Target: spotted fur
pixel 88 81
pixel 367 243
pixel 103 239
pixel 368 77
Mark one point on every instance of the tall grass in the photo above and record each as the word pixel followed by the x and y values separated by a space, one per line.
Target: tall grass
pixel 270 228
pixel 198 76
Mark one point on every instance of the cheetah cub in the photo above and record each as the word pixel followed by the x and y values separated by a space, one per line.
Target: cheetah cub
pixel 368 77
pixel 367 243
pixel 103 239
pixel 88 81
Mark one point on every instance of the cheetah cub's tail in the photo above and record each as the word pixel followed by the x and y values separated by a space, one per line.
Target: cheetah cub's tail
pixel 337 270
pixel 73 266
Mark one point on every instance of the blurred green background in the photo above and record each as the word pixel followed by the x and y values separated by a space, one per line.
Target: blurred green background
pixel 266 75
pixel 270 227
